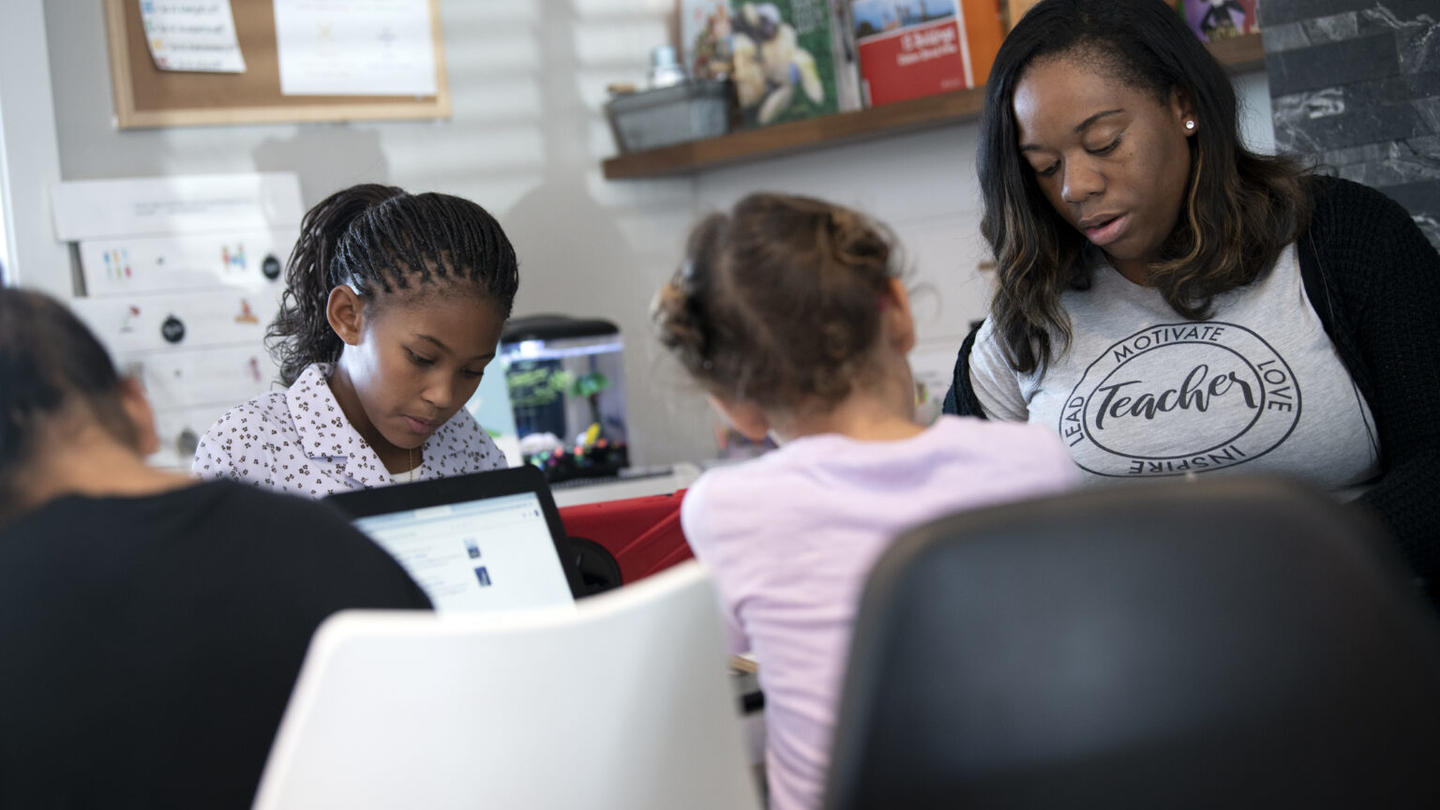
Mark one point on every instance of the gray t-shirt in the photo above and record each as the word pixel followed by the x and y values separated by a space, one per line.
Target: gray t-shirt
pixel 1142 392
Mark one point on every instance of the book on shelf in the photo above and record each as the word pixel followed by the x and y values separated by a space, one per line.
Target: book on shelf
pixel 1213 20
pixel 788 59
pixel 913 48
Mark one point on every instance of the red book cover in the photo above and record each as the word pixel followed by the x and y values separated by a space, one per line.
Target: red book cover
pixel 914 48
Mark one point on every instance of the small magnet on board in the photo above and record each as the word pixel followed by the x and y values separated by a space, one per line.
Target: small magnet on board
pixel 173 330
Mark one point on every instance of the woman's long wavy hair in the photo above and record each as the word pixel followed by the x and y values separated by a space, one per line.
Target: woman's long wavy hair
pixel 1240 209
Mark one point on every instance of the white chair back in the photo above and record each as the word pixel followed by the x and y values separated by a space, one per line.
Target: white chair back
pixel 622 701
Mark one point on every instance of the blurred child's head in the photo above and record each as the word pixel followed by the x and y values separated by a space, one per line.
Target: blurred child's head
pixel 788 305
pixel 408 292
pixel 58 385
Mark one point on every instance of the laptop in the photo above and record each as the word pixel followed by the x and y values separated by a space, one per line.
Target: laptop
pixel 482 542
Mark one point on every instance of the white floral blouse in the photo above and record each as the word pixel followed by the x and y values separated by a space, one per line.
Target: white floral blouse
pixel 298 441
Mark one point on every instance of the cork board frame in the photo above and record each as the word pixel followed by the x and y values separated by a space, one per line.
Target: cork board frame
pixel 147 97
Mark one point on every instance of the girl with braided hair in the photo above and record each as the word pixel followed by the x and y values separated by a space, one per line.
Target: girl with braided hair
pixel 790 314
pixel 392 310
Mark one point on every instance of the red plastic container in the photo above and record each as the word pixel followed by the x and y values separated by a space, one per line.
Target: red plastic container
pixel 642 534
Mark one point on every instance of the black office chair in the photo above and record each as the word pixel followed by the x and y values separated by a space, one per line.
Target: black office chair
pixel 1227 643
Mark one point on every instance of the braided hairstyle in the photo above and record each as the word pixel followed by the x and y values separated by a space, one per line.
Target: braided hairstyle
pixel 379 239
pixel 779 302
pixel 49 363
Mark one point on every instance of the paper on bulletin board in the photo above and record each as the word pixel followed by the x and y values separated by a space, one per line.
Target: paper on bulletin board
pixel 193 35
pixel 367 48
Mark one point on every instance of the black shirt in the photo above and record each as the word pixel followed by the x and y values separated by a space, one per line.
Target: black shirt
pixel 148 645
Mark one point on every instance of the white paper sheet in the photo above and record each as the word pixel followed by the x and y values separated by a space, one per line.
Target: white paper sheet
pixel 355 47
pixel 193 35
pixel 210 319
pixel 154 206
pixel 129 266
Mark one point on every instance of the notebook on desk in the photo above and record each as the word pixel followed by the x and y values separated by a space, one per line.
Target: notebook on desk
pixel 487 541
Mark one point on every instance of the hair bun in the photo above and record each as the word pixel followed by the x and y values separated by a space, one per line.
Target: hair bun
pixel 679 329
pixel 777 304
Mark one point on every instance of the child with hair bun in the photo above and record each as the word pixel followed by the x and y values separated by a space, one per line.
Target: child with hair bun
pixel 393 308
pixel 790 313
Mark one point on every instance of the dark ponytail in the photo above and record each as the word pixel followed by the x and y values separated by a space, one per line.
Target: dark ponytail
pixel 49 361
pixel 379 239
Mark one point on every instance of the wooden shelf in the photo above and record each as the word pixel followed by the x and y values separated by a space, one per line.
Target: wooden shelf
pixel 1238 55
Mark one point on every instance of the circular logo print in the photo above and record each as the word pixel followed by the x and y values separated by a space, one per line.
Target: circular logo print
pixel 270 267
pixel 173 330
pixel 1179 398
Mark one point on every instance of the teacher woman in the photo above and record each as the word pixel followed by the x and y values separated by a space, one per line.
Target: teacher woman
pixel 1173 304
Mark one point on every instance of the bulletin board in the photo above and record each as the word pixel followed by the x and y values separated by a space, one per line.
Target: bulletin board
pixel 146 96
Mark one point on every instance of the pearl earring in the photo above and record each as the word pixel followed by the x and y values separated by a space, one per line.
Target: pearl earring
pixel 1189 126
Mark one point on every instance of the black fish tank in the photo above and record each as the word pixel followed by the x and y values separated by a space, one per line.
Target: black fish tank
pixel 566 382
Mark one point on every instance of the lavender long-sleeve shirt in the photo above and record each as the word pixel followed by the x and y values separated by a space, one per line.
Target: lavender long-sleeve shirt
pixel 791 536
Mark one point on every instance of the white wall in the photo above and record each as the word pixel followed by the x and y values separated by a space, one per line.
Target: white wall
pixel 29 160
pixel 527 135
pixel 526 138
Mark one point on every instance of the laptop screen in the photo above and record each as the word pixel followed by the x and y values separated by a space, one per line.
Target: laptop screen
pixel 492 553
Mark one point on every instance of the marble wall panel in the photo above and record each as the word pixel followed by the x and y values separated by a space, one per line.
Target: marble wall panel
pixel 1355 88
